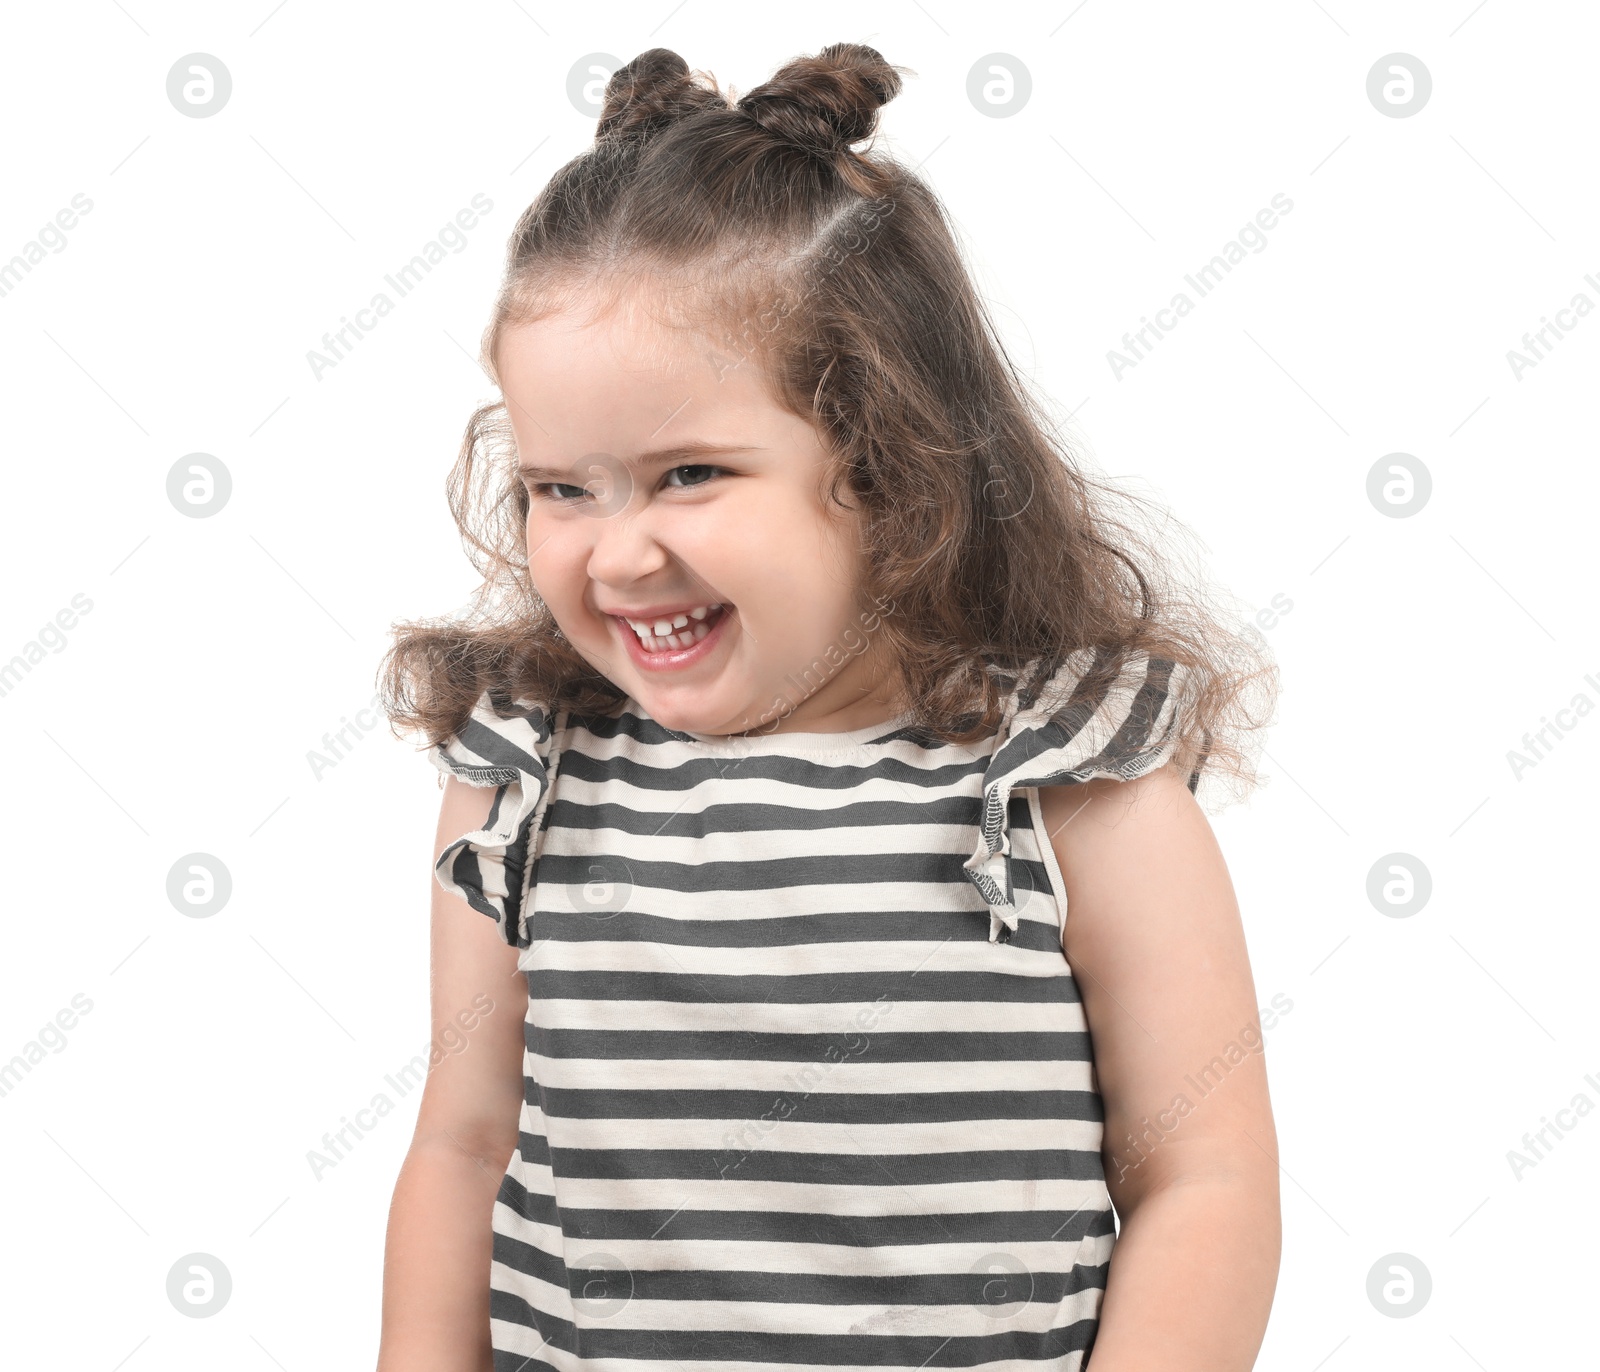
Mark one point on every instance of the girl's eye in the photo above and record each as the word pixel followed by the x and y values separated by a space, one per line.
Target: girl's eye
pixel 565 494
pixel 694 467
pixel 553 490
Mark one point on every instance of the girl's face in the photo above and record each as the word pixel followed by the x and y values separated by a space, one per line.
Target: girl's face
pixel 701 493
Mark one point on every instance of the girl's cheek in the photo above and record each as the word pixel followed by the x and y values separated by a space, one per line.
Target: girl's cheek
pixel 559 543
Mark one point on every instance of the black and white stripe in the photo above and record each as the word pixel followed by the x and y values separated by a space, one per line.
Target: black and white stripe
pixel 787 1102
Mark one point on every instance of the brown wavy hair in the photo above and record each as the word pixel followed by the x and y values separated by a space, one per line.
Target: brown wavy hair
pixel 835 271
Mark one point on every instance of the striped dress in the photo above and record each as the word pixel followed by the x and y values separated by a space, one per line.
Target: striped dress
pixel 807 1079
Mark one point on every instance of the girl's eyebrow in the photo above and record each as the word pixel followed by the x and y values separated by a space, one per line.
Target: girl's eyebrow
pixel 694 448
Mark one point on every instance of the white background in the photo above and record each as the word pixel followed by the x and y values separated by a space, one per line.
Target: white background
pixel 178 716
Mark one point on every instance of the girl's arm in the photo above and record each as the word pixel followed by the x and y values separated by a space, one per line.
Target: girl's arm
pixel 1155 944
pixel 436 1259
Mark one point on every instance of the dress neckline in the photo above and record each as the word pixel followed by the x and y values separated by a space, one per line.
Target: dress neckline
pixel 778 742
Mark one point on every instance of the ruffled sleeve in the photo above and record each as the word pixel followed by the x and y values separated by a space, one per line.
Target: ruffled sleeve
pixel 513 750
pixel 1097 715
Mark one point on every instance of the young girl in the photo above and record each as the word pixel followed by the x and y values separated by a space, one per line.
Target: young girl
pixel 810 689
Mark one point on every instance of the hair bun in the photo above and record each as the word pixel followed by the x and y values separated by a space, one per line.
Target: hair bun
pixel 650 92
pixel 827 102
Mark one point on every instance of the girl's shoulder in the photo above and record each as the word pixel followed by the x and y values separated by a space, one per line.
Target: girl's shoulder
pixel 502 740
pixel 508 744
pixel 1098 712
pixel 1095 713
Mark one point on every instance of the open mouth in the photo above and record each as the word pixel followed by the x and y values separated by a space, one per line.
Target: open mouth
pixel 677 633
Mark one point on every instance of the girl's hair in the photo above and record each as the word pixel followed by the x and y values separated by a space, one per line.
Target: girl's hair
pixel 836 272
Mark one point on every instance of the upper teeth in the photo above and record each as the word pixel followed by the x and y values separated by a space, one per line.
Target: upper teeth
pixel 661 628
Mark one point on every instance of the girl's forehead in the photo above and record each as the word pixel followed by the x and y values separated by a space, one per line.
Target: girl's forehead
pixel 630 360
pixel 623 339
pixel 550 360
pixel 617 337
pixel 623 386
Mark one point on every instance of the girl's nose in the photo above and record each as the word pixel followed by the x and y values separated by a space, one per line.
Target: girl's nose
pixel 624 545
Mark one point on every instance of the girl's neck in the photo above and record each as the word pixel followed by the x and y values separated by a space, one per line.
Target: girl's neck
pixel 847 704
